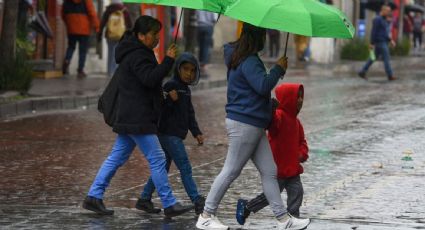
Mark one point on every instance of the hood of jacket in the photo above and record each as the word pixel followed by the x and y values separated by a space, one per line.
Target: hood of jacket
pixel 183 58
pixel 128 44
pixel 115 6
pixel 287 95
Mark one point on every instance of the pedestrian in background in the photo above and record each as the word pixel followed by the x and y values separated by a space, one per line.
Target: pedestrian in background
pixel 418 29
pixel 380 37
pixel 290 149
pixel 139 105
pixel 177 118
pixel 79 17
pixel 205 30
pixel 116 19
pixel 301 45
pixel 274 42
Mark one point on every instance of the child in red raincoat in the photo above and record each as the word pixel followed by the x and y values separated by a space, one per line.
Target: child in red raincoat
pixel 289 147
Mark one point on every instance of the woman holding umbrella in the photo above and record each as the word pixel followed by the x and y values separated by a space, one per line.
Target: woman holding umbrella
pixel 249 113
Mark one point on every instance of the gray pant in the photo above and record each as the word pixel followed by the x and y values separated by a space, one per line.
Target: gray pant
pixel 294 190
pixel 246 142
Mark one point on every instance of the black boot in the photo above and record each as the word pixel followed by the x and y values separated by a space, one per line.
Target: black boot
pixel 177 209
pixel 96 205
pixel 199 205
pixel 147 206
pixel 65 67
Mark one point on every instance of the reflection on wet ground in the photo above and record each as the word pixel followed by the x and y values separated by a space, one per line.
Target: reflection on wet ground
pixel 354 179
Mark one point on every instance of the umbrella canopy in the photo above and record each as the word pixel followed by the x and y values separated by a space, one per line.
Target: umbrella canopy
pixel 376 5
pixel 414 8
pixel 208 5
pixel 305 17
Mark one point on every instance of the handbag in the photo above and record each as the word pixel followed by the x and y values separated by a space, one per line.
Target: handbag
pixel 108 101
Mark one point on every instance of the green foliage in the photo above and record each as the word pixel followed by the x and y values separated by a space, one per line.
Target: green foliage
pixel 356 49
pixel 27 47
pixel 16 74
pixel 402 48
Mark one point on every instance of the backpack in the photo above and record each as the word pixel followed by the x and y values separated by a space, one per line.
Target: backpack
pixel 108 101
pixel 115 26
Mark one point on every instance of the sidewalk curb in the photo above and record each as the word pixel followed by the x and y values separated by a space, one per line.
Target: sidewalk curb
pixel 44 104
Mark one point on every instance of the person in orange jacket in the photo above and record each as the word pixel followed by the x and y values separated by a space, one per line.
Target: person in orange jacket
pixel 79 17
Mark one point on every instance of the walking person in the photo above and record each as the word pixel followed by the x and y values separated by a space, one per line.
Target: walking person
pixel 79 17
pixel 274 42
pixel 418 29
pixel 301 45
pixel 178 117
pixel 205 30
pixel 379 42
pixel 139 104
pixel 116 20
pixel 249 113
pixel 290 149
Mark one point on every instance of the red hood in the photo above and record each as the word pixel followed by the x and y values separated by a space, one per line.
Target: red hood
pixel 287 95
pixel 286 134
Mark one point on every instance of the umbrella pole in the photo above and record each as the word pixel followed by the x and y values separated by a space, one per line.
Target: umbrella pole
pixel 286 43
pixel 178 25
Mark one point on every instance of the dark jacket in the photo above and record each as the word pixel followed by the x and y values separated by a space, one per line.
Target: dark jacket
pixel 286 133
pixel 249 90
pixel 140 87
pixel 111 9
pixel 179 116
pixel 380 31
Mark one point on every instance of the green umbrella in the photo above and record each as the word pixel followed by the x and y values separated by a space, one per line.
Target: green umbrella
pixel 305 17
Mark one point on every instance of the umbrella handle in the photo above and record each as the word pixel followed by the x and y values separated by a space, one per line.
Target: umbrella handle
pixel 178 26
pixel 286 44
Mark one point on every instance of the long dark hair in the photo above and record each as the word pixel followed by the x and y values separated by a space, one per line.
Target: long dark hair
pixel 251 41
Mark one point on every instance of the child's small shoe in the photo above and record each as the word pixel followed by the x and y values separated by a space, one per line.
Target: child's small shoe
pixel 241 211
pixel 147 206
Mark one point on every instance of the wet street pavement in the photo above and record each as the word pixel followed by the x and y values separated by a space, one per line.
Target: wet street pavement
pixel 354 179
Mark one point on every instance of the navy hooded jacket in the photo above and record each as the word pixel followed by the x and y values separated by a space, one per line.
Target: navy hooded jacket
pixel 249 90
pixel 380 31
pixel 178 117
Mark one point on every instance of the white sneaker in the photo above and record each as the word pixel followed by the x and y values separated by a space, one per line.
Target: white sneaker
pixel 293 223
pixel 210 223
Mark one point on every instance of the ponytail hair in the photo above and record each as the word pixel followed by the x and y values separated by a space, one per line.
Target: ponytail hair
pixel 251 41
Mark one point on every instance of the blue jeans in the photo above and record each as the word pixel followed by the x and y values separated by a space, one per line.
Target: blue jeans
pixel 123 147
pixel 205 42
pixel 175 151
pixel 112 64
pixel 83 45
pixel 381 49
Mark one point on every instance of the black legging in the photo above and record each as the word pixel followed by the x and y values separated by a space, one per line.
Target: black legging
pixel 417 36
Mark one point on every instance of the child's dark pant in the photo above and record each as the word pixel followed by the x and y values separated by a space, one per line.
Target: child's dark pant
pixel 295 191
